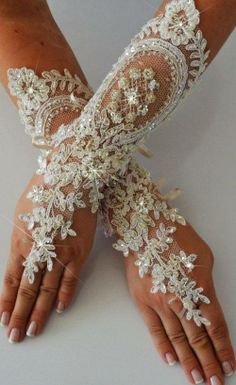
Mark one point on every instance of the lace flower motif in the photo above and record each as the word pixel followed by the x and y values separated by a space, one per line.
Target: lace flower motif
pixel 180 21
pixel 28 88
pixel 134 95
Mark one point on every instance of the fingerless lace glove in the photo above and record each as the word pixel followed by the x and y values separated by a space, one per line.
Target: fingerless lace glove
pixel 134 210
pixel 45 103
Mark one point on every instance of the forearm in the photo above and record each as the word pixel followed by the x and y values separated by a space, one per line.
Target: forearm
pixel 30 37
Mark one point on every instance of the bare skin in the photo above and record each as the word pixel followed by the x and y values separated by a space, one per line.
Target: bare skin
pixel 193 347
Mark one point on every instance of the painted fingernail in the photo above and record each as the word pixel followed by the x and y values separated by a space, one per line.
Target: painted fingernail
pixel 31 331
pixel 5 318
pixel 170 359
pixel 227 368
pixel 60 307
pixel 215 380
pixel 14 336
pixel 197 377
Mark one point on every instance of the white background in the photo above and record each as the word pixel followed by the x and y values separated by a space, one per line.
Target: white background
pixel 102 340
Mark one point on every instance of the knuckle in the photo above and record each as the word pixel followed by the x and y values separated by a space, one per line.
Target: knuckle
pixel 17 318
pixel 11 280
pixel 39 314
pixel 188 361
pixel 69 282
pixel 178 337
pixel 199 340
pixel 27 293
pixel 49 291
pixel 156 331
pixel 212 366
pixel 225 352
pixel 218 331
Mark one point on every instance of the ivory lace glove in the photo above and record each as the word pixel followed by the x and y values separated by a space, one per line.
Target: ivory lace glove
pixel 134 210
pixel 45 102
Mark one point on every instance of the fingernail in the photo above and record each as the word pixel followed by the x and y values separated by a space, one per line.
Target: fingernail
pixel 60 307
pixel 215 380
pixel 197 377
pixel 5 318
pixel 31 329
pixel 14 336
pixel 170 359
pixel 227 368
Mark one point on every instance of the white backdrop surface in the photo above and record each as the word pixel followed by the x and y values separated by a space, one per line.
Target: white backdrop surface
pixel 102 340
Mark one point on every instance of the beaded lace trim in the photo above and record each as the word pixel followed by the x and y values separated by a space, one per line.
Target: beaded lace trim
pixel 134 210
pixel 157 69
pixel 41 99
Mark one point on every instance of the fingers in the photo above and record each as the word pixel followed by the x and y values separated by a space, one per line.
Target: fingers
pixel 33 302
pixel 219 335
pixel 45 300
pixel 25 307
pixel 200 343
pixel 157 331
pixel 69 283
pixel 177 336
pixel 26 297
pixel 9 290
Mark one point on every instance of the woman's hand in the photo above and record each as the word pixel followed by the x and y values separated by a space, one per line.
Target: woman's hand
pixel 24 306
pixel 203 352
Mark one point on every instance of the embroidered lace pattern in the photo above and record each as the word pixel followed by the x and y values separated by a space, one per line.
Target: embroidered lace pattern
pixel 42 99
pixel 135 211
pixel 155 72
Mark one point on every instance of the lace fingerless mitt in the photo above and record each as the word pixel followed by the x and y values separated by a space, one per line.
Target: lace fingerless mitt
pixel 46 102
pixel 134 210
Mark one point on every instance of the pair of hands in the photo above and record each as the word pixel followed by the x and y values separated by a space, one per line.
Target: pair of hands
pixel 204 352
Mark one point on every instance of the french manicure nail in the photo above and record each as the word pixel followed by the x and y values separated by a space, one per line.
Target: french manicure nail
pixel 197 377
pixel 170 359
pixel 227 368
pixel 14 336
pixel 215 380
pixel 60 307
pixel 31 329
pixel 5 318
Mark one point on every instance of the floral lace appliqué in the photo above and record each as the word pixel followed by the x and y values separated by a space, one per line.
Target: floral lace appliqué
pixel 181 19
pixel 146 226
pixel 41 99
